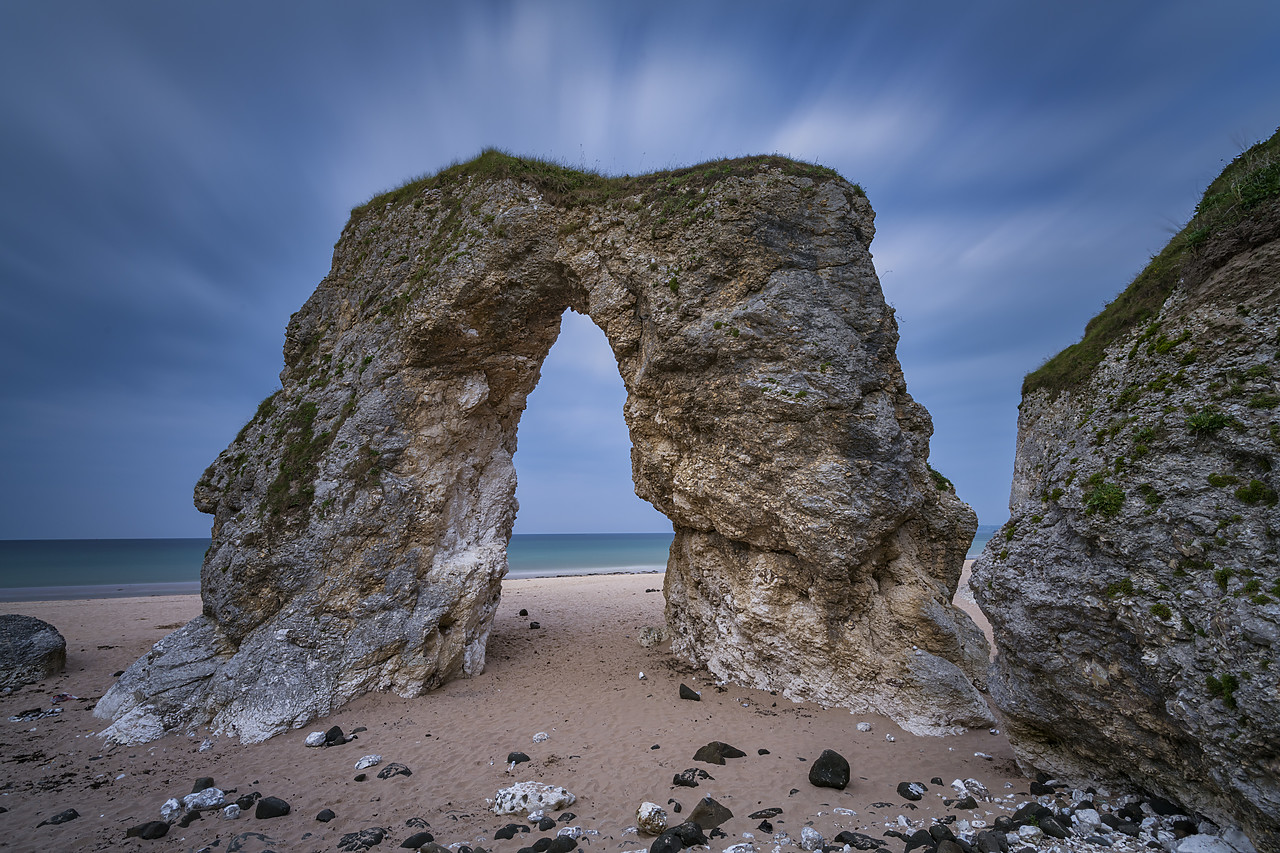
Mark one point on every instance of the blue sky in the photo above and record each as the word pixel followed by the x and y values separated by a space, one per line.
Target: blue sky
pixel 175 175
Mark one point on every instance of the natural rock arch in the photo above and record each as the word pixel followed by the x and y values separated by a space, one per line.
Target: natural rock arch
pixel 361 518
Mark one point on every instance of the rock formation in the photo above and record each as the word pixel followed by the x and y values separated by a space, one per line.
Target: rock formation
pixel 30 650
pixel 1135 592
pixel 361 517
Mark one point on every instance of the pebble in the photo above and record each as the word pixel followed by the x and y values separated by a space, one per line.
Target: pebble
pixel 811 839
pixel 372 760
pixel 61 817
pixel 863 727
pixel 541 737
pixel 315 739
pixel 394 769
pixel 231 812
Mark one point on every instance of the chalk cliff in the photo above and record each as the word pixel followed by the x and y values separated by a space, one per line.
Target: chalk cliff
pixel 1135 591
pixel 361 517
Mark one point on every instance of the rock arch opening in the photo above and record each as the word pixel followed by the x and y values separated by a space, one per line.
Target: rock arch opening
pixel 573 458
pixel 361 517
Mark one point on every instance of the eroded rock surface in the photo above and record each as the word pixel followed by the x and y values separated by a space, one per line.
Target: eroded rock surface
pixel 30 650
pixel 1135 592
pixel 361 517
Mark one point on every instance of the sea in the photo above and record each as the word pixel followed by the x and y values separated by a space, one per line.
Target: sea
pixel 32 569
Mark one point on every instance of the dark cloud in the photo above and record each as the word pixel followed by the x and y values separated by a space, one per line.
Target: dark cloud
pixel 176 174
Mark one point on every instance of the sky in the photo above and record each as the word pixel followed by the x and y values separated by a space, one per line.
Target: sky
pixel 175 176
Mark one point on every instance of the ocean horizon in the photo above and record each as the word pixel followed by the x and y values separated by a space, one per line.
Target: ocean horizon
pixel 107 568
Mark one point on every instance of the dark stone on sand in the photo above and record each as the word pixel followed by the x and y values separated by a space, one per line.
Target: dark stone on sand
pixel 269 807
pixel 765 814
pixel 1027 811
pixel 524 612
pixel 567 817
pixel 656 746
pixel 394 769
pixel 517 758
pixel 689 693
pixel 948 846
pixel 533 626
pixel 541 845
pixel 360 777
pixel 31 650
pixel 764 826
pixel 689 778
pixel 189 818
pixel 716 752
pixel 562 844
pixel 762 752
pixel 990 842
pixel 937 780
pixel 117 673
pixel 858 841
pixel 246 801
pixel 546 824
pixel 675 839
pixel 509 831
pixel 201 784
pixel 355 842
pixel 941 832
pixel 334 737
pixel 967 804
pixel 1132 812
pixel 149 831
pixel 911 790
pixel 1050 827
pixel 61 817
pixel 919 838
pixel 326 815
pixel 831 770
pixel 1039 789
pixel 1004 823
pixel 709 814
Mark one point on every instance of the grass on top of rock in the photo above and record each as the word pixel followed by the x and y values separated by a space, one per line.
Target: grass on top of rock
pixel 1249 181
pixel 568 187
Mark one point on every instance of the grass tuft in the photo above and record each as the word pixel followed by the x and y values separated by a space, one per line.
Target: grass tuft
pixel 571 188
pixel 1251 180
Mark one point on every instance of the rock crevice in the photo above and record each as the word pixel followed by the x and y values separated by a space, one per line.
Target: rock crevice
pixel 361 517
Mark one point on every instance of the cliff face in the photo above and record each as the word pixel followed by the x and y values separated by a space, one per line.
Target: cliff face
pixel 361 518
pixel 1135 592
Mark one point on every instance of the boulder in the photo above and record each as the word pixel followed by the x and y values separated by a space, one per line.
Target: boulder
pixel 361 517
pixel 831 770
pixel 525 797
pixel 709 813
pixel 31 650
pixel 651 819
pixel 1134 594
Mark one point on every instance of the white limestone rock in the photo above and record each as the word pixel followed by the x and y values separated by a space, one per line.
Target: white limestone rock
pixel 372 760
pixel 651 818
pixel 524 797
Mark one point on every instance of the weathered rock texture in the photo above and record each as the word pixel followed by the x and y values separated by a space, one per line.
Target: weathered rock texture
pixel 362 516
pixel 1134 592
pixel 30 650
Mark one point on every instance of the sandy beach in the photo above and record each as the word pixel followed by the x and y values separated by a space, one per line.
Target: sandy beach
pixel 615 741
